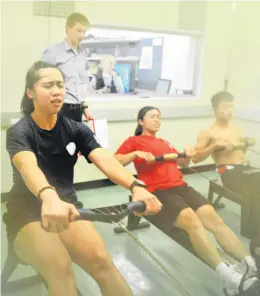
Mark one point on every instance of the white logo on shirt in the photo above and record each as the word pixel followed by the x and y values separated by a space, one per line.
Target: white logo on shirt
pixel 71 148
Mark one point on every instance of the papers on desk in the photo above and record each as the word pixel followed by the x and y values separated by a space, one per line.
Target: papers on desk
pixel 100 129
pixel 146 61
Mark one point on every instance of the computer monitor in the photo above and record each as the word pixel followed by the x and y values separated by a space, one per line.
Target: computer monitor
pixel 163 86
pixel 124 70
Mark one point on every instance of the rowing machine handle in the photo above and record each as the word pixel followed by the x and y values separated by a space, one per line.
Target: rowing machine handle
pixel 92 215
pixel 136 206
pixel 174 156
pixel 87 214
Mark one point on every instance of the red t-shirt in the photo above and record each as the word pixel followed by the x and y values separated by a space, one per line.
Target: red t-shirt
pixel 158 175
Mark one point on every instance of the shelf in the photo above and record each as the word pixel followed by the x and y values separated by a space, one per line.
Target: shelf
pixel 109 43
pixel 118 59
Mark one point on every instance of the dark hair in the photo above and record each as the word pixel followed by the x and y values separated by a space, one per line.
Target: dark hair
pixel 75 18
pixel 141 114
pixel 221 96
pixel 32 77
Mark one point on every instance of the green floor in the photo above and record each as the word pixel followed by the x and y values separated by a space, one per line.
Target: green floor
pixel 143 275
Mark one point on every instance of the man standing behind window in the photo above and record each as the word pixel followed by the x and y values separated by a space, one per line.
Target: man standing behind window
pixel 71 59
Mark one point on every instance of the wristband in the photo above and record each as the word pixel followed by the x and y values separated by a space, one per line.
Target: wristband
pixel 137 183
pixel 44 188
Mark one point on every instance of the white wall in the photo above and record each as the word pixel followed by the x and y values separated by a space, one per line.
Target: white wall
pixel 245 58
pixel 24 37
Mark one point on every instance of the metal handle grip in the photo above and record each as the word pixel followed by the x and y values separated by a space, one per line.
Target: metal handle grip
pixel 174 156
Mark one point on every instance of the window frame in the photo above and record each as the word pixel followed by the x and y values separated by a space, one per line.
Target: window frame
pixel 198 71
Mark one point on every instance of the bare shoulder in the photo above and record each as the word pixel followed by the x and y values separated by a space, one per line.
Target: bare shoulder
pixel 206 133
pixel 203 138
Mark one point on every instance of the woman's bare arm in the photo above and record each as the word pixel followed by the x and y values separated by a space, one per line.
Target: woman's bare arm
pixel 125 159
pixel 26 163
pixel 112 168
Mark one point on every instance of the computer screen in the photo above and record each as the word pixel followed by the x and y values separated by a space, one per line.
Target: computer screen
pixel 163 86
pixel 124 70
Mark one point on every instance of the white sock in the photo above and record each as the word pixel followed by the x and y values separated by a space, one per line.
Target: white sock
pixel 224 271
pixel 251 262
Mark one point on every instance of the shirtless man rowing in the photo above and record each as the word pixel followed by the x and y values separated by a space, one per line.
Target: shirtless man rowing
pixel 223 140
pixel 226 143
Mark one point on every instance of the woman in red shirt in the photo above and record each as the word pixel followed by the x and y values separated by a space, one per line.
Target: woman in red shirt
pixel 183 206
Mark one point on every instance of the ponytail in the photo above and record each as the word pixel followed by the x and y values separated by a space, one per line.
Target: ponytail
pixel 27 106
pixel 138 130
